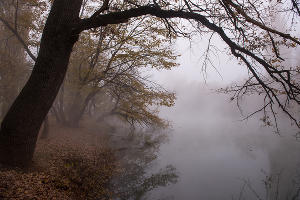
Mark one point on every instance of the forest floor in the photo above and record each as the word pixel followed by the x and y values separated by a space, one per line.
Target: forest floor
pixel 72 163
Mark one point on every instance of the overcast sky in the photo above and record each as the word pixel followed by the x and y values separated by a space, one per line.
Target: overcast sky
pixel 191 62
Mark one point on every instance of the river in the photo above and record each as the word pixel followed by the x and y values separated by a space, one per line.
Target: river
pixel 218 156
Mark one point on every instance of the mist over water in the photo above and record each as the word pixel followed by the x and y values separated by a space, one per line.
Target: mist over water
pixel 215 153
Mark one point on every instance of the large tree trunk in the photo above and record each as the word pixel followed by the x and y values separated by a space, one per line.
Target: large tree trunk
pixel 20 127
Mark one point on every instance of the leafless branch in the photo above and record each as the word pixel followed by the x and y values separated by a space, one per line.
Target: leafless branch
pixel 102 9
pixel 15 32
pixel 296 6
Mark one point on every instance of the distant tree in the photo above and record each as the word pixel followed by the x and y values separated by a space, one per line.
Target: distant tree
pixel 110 57
pixel 14 68
pixel 243 26
pixel 136 102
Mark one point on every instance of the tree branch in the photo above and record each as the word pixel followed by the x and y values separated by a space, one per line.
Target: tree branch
pixel 292 89
pixel 102 9
pixel 19 38
pixel 295 5
pixel 259 24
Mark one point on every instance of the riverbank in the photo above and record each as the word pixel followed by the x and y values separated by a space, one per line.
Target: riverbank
pixel 70 164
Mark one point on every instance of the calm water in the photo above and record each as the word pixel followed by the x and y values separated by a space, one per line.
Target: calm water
pixel 215 154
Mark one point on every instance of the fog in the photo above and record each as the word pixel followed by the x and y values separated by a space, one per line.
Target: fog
pixel 214 151
pixel 217 154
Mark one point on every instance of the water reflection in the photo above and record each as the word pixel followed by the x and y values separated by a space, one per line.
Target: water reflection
pixel 137 153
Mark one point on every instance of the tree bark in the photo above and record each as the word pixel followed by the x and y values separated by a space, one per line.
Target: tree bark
pixel 20 127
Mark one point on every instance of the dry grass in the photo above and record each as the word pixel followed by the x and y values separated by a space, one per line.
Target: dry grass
pixel 70 164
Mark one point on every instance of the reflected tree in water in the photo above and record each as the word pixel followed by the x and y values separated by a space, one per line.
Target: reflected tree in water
pixel 136 179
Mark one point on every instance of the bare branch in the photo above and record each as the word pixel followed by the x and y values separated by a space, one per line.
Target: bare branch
pixel 102 9
pixel 19 38
pixel 295 6
pixel 253 21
